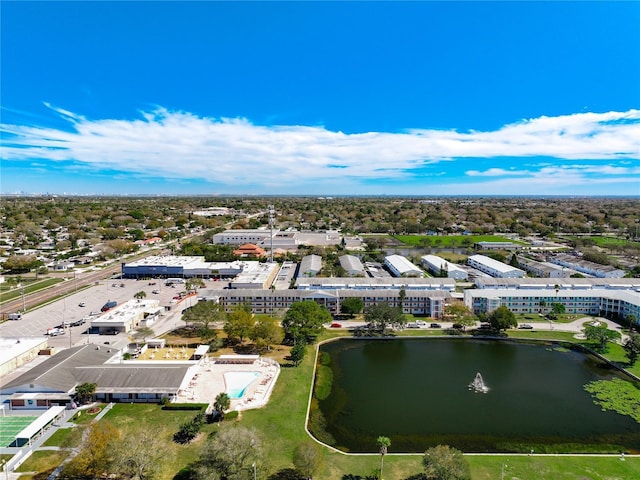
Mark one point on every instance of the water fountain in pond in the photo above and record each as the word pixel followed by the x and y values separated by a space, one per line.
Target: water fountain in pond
pixel 478 385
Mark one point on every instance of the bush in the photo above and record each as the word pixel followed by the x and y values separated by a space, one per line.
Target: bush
pixel 185 406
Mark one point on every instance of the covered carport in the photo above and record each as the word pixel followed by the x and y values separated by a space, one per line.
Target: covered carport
pixel 38 426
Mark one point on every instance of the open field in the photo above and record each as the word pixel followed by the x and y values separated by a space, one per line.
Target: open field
pixel 449 241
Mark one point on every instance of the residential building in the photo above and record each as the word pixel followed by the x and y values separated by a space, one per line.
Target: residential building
pixel 352 265
pixel 401 267
pixel 438 265
pixel 493 267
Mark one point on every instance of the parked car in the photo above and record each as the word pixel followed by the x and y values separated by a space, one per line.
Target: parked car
pixel 82 304
pixel 155 292
pixel 109 305
pixel 435 325
pixel 525 326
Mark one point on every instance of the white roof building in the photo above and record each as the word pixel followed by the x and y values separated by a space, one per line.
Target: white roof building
pixel 401 267
pixel 589 268
pixel 352 265
pixel 586 302
pixel 493 267
pixel 257 275
pixel 128 316
pixel 376 283
pixel 310 266
pixel 438 264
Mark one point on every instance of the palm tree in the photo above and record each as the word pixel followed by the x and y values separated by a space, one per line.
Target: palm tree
pixel 383 445
pixel 140 295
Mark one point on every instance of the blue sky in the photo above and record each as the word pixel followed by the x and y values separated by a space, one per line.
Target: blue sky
pixel 327 98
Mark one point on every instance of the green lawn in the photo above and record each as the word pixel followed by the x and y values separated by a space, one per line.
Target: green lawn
pixel 448 241
pixel 604 242
pixel 32 287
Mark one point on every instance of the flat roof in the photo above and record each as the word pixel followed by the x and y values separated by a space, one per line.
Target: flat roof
pixel 41 422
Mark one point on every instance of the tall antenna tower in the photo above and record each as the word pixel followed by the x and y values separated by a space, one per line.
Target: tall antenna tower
pixel 272 221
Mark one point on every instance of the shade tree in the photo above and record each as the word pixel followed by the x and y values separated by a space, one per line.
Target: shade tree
pixel 305 320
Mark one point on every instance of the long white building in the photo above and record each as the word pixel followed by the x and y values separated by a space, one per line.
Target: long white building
pixel 376 283
pixel 589 268
pixel 601 302
pixel 417 302
pixel 493 267
pixel 401 267
pixel 436 265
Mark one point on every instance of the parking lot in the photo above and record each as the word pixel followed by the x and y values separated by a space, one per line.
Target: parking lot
pixel 36 322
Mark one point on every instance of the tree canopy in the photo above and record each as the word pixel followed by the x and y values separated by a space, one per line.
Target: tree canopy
pixel 502 318
pixel 458 313
pixel 85 392
pixel 231 454
pixel 305 320
pixel 599 336
pixel 239 324
pixel 632 348
pixel 445 463
pixel 266 332
pixel 307 459
pixel 351 306
pixel 202 314
pixel 382 316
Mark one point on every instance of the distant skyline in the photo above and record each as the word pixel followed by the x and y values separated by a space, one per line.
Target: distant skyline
pixel 320 98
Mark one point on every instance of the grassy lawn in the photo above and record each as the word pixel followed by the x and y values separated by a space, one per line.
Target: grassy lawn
pixel 30 288
pixel 448 241
pixel 65 438
pixel 489 467
pixel 166 423
pixel 43 462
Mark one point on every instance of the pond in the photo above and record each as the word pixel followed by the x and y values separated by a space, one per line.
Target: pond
pixel 416 392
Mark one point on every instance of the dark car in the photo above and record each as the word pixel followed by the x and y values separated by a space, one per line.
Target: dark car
pixel 435 325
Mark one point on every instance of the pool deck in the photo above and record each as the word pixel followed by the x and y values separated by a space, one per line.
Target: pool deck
pixel 208 382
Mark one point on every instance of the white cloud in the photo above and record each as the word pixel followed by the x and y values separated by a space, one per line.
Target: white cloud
pixel 181 145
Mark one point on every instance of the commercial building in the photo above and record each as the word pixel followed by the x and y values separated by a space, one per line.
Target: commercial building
pixel 438 265
pixel 493 267
pixel 127 316
pixel 399 266
pixel 172 266
pixel 17 351
pixel 256 275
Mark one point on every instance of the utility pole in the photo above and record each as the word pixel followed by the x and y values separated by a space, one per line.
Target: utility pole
pixel 271 222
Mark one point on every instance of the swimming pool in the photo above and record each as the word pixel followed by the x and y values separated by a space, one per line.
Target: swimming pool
pixel 237 382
